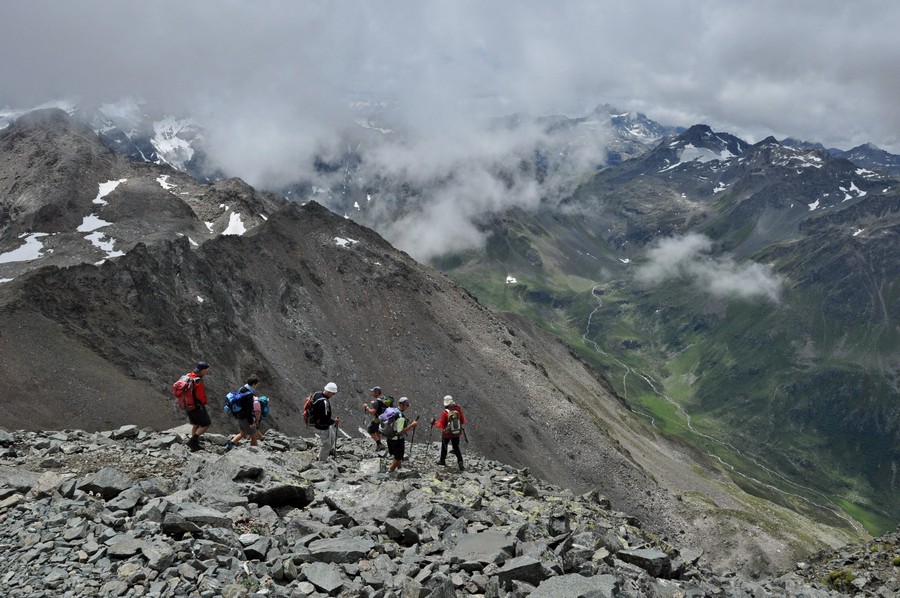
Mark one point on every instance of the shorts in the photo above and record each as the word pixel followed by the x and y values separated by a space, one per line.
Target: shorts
pixel 199 417
pixel 246 428
pixel 373 427
pixel 397 449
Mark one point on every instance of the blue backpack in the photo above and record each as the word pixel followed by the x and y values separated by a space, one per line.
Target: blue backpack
pixel 233 401
pixel 263 406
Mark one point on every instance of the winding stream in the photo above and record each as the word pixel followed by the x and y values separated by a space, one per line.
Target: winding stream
pixel 828 505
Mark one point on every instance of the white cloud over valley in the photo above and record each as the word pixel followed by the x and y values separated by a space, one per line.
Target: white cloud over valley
pixel 688 258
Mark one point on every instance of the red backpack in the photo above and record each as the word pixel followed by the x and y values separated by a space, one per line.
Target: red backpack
pixel 307 409
pixel 183 391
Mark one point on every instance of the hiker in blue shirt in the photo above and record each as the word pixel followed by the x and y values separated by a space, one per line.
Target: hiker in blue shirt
pixel 248 420
pixel 397 443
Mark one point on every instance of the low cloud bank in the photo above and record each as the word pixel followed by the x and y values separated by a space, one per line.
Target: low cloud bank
pixel 687 258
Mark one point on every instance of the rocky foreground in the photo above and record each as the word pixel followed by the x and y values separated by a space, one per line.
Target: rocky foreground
pixel 132 512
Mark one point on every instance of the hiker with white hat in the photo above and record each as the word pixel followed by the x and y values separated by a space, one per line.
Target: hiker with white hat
pixel 325 425
pixel 451 422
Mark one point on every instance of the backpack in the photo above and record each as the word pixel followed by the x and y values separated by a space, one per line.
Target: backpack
pixel 233 402
pixel 263 406
pixel 382 404
pixel 386 422
pixel 454 424
pixel 307 409
pixel 183 391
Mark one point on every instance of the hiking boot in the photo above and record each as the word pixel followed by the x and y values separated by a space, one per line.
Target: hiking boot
pixel 461 468
pixel 229 446
pixel 442 463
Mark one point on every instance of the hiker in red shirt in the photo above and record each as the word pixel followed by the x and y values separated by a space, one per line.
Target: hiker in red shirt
pixel 197 413
pixel 451 422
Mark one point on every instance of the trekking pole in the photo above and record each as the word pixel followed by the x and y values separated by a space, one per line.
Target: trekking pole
pixel 412 439
pixel 466 436
pixel 430 430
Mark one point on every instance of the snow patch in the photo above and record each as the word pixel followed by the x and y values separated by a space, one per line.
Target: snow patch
pixel 171 148
pixel 813 205
pixel 858 231
pixel 342 242
pixel 199 299
pixel 719 188
pixel 690 153
pixel 235 225
pixel 625 260
pixel 105 189
pixel 511 280
pixel 91 223
pixel 163 181
pixel 2 280
pixel 104 243
pixel 31 250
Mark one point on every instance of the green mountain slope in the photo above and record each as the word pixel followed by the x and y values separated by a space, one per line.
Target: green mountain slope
pixel 795 385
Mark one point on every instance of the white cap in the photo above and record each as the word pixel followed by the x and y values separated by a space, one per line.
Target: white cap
pixel 448 400
pixel 331 387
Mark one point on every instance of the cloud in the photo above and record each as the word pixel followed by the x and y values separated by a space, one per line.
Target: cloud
pixel 687 258
pixel 270 82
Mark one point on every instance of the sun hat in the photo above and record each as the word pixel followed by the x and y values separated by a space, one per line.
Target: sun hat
pixel 330 387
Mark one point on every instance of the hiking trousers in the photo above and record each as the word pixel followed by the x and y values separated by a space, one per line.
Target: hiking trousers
pixel 328 439
pixel 455 442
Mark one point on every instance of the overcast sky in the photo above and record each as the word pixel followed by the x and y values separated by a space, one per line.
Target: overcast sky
pixel 826 70
pixel 271 78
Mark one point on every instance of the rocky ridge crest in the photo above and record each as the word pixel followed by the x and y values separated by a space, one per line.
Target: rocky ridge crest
pixel 130 512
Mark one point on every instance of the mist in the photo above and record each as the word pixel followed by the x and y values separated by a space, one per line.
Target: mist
pixel 688 258
pixel 278 85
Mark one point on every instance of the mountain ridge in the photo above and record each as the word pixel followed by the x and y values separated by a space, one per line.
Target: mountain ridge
pixel 305 296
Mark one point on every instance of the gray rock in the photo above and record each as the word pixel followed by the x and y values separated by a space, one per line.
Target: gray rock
pixel 340 550
pixel 127 500
pixel 324 576
pixel 654 562
pixel 129 431
pixel 577 586
pixel 523 568
pixel 484 547
pixel 108 482
pixel 18 478
pixel 48 483
pixel 202 516
pixel 363 503
pixel 124 546
pixel 159 556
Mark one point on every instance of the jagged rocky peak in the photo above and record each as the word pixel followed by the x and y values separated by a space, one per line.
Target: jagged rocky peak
pixel 702 136
pixel 133 512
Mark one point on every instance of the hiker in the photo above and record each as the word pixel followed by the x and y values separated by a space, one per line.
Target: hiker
pixel 451 422
pixel 325 425
pixel 375 408
pixel 197 414
pixel 397 443
pixel 249 414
